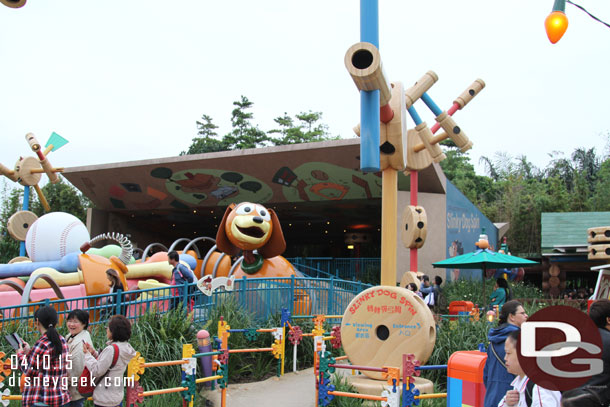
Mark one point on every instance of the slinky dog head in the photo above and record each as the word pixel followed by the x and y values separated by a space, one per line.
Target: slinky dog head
pixel 249 226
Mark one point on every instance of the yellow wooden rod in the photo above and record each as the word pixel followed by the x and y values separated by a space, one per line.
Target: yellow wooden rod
pixel 48 149
pixel 389 196
pixel 435 140
pixel 42 198
pixel 432 396
pixel 163 391
pixel 208 379
pixel 41 170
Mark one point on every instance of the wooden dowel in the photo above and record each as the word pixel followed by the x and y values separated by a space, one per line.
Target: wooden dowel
pixel 208 379
pixel 357 396
pixel 42 198
pixel 357 367
pixel 41 170
pixel 250 350
pixel 432 396
pixel 162 391
pixel 166 363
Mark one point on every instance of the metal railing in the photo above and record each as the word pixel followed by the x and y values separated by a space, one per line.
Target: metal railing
pixel 263 297
pixel 341 267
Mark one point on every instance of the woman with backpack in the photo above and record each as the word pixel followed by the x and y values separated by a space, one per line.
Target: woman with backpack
pixel 47 361
pixel 108 367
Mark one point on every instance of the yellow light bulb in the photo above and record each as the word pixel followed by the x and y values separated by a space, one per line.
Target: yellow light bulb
pixel 556 25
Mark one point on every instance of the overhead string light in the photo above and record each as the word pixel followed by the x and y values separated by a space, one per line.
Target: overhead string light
pixel 556 23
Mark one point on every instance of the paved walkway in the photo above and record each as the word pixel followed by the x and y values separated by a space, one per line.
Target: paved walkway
pixel 291 390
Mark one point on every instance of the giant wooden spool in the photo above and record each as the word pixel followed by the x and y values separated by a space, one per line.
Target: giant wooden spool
pixel 410 277
pixel 414 229
pixel 19 223
pixel 382 323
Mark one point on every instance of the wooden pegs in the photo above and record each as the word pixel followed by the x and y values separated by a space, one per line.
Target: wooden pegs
pixel 599 252
pixel 453 131
pixel 49 170
pixel 363 62
pixel 10 174
pixel 469 94
pixel 33 142
pixel 48 149
pixel 416 160
pixel 42 198
pixel 41 171
pixel 420 87
pixel 393 135
pixel 425 134
pixel 599 234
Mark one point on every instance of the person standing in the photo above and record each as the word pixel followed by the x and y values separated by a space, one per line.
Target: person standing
pixel 77 323
pixel 180 275
pixel 600 383
pixel 107 367
pixel 496 378
pixel 114 282
pixel 524 393
pixel 47 360
pixel 501 293
pixel 413 287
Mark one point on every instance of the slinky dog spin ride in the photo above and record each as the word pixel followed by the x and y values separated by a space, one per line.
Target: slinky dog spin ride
pixel 384 324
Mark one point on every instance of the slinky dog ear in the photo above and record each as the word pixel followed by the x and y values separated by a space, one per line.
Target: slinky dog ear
pixel 276 244
pixel 222 240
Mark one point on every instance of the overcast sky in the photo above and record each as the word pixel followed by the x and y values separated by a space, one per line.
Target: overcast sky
pixel 127 80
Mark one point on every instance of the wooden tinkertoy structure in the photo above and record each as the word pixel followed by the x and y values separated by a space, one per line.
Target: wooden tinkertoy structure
pixel 27 172
pixel 383 323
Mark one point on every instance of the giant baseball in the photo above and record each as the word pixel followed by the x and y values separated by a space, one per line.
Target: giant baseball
pixel 54 235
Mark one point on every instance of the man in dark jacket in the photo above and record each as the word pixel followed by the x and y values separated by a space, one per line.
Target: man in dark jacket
pixel 180 275
pixel 600 383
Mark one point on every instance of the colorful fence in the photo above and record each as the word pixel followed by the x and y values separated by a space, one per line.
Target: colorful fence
pixel 262 296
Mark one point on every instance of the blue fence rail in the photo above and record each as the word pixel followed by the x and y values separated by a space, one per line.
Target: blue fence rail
pixel 263 297
pixel 345 268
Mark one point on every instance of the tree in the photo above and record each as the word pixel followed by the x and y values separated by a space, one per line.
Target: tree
pixel 10 200
pixel 600 199
pixel 63 197
pixel 244 135
pixel 308 128
pixel 306 131
pixel 207 142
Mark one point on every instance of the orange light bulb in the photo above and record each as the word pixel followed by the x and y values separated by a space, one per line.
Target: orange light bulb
pixel 556 25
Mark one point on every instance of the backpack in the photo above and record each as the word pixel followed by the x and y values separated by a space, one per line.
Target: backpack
pixel 190 278
pixel 86 384
pixel 529 389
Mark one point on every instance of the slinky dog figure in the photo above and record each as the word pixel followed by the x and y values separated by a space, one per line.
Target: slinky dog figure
pixel 248 227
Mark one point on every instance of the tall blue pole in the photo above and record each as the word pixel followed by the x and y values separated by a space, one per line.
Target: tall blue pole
pixel 369 100
pixel 26 206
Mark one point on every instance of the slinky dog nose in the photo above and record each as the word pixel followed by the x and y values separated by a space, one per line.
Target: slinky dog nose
pixel 257 219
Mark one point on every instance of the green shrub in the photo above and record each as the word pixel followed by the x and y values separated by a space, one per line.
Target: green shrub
pixel 469 290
